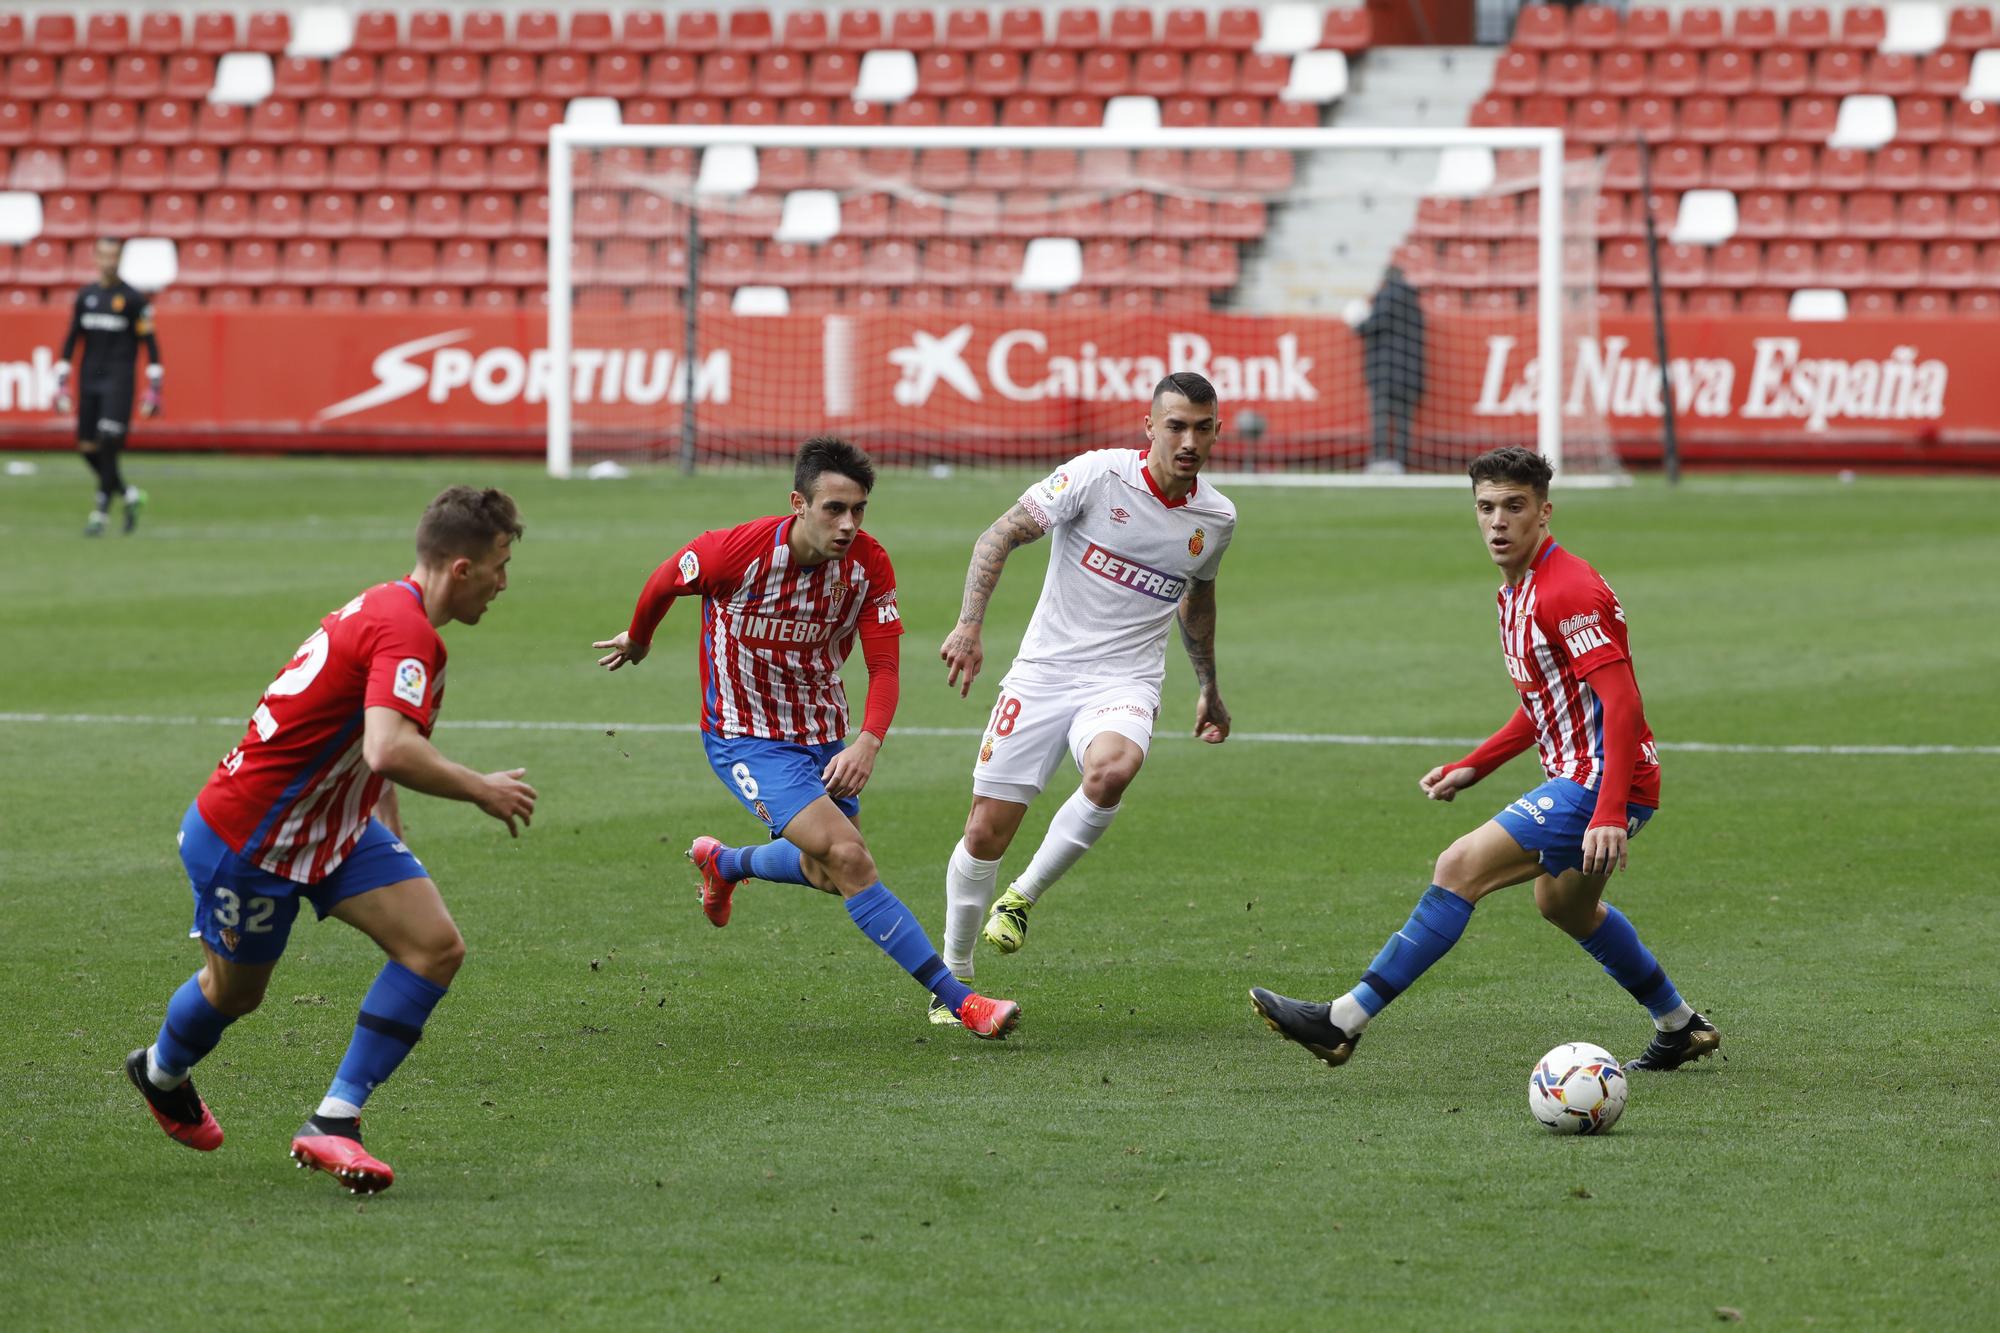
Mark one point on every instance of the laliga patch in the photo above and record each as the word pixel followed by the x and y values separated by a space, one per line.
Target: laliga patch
pixel 690 566
pixel 411 678
pixel 1055 484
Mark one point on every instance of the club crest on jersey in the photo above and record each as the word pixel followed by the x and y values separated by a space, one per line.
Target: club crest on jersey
pixel 1119 515
pixel 986 749
pixel 1196 542
pixel 230 939
pixel 690 566
pixel 838 588
pixel 763 811
pixel 117 303
pixel 411 678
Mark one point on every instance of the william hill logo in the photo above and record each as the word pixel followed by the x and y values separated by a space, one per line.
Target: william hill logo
pixel 1583 634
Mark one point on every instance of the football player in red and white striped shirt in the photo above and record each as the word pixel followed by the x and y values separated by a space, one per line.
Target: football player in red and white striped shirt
pixel 290 814
pixel 783 600
pixel 1563 637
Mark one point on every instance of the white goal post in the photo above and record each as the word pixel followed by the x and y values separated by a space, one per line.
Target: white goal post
pixel 587 417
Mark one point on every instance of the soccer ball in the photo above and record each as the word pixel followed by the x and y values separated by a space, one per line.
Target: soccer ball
pixel 1577 1089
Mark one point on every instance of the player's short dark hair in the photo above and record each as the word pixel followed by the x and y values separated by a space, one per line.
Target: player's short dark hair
pixel 466 521
pixel 830 453
pixel 1514 466
pixel 1187 384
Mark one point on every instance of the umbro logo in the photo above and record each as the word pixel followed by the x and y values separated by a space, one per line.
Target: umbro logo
pixel 1119 515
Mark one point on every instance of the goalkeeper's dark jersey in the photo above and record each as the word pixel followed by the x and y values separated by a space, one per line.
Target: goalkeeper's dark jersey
pixel 111 322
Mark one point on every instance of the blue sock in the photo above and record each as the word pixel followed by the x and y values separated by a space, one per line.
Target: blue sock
pixel 777 860
pixel 883 919
pixel 391 1021
pixel 1427 936
pixel 192 1029
pixel 1616 945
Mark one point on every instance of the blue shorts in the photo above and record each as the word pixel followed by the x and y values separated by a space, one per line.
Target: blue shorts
pixel 775 780
pixel 245 912
pixel 1550 821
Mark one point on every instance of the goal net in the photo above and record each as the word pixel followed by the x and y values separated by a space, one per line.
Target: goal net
pixel 1369 303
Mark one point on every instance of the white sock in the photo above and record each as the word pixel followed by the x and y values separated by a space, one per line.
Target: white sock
pixel 159 1077
pixel 1348 1015
pixel 968 891
pixel 1078 825
pixel 1676 1020
pixel 332 1108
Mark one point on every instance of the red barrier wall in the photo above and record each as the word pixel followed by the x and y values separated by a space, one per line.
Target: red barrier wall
pixel 1900 391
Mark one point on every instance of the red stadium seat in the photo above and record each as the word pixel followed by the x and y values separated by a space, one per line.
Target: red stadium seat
pixel 1706 119
pixel 331 214
pixel 376 31
pixel 1810 119
pixel 1347 30
pixel 1596 120
pixel 278 213
pixel 1709 303
pixel 1757 120
pixel 1838 73
pixel 1736 166
pixel 1737 264
pixel 913 30
pixel 356 167
pixel 1594 28
pixel 300 167
pixel 1944 74
pixel 1950 167
pixel 403 74
pixel 1891 74
pixel 294 78
pixel 967 30
pixel 1951 265
pixel 190 76
pixel 591 32
pixel 538 31
pixel 89 168
pixel 55 34
pixel 1974 124
pixel 510 74
pixel 160 32
pixel 994 74
pixel 1755 27
pixel 1131 29
pixel 220 125
pixel 1021 30
pixel 106 34
pixel 1106 74
pixel 1541 28
pixel 1976 216
pixel 384 214
pixel 202 263
pixel 359 263
pixel 326 121
pixel 482 32
pixel 1782 73
pixel 1237 28
pixel 379 122
pixel 1701 28
pixel 1790 166
pixel 1970 28
pixel 1895 166
pixel 305 263
pixel 138 75
pixel 1568 74
pixel 533 118
pixel 1817 215
pixel 412 262
pixel 83 76
pixel 461 167
pixel 1871 214
pixel 1897 264
pixel 1789 264
pixel 1185 29
pixel 748 30
pixel 430 32
pixel 110 124
pixel 1212 74
pixel 1159 74
pixel 1919 120
pixel 1648 28
pixel 564 74
pixel 1863 27
pixel 491 215
pixel 1763 214
pixel 1808 27
pixel 1923 215
pixel 253 263
pixel 355 75
pixel 1728 72
pixel 409 167
pixel 1517 74
pixel 66 215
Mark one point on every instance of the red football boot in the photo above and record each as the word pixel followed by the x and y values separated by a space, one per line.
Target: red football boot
pixel 334 1146
pixel 180 1111
pixel 989 1019
pixel 715 890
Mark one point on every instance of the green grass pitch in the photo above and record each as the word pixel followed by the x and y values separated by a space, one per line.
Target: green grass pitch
pixel 622 1116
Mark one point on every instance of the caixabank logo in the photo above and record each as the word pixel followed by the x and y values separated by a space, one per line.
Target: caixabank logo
pixel 1030 365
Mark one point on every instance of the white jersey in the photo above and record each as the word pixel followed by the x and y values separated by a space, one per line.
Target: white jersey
pixel 1120 557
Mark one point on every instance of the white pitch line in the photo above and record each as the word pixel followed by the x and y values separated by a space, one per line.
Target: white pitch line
pixel 1253 737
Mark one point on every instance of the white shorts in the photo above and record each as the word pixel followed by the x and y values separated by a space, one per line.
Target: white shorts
pixel 1036 720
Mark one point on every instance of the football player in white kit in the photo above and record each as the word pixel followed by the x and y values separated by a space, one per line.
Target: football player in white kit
pixel 1136 542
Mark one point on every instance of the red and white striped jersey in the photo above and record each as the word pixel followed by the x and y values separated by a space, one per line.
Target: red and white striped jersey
pixel 294 796
pixel 774 633
pixel 1561 624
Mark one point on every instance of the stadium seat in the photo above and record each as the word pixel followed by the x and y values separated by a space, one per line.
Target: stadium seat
pixel 201 263
pixel 1158 74
pixel 1837 73
pixel 1891 74
pixel 409 167
pixel 252 263
pixel 1920 120
pixel 87 167
pixel 1870 214
pixel 1782 73
pixel 353 75
pixel 1700 28
pixel 384 214
pixel 1970 28
pixel 1347 30
pixel 1791 264
pixel 1764 214
pixel 1812 119
pixel 1754 27
pixel 1923 215
pixel 1944 73
pixel 1950 167
pixel 1897 264
pixel 1808 28
pixel 1817 214
pixel 277 214
pixel 1648 28
pixel 1541 28
pixel 1596 120
pixel 219 125
pixel 305 263
pixel 402 74
pixel 330 215
pixel 359 263
pixel 565 74
pixel 356 167
pixel 1976 216
pixel 54 34
pixel 1517 74
pixel 1974 123
pixel 412 262
pixel 1737 264
pixel 537 31
pixel 1728 73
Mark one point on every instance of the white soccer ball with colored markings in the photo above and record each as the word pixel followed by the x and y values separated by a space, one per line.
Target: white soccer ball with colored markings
pixel 1577 1089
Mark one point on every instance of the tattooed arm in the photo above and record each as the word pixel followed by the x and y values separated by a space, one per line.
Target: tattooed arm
pixel 1197 620
pixel 962 650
